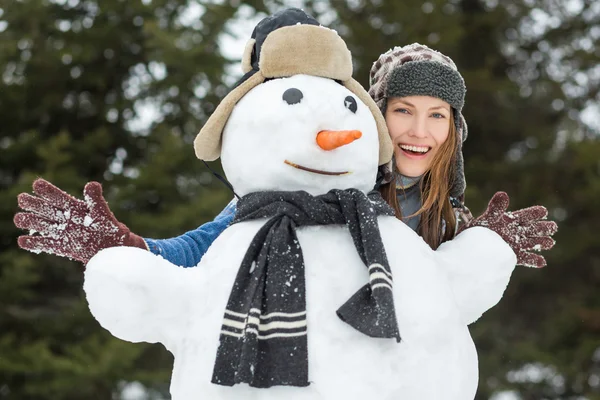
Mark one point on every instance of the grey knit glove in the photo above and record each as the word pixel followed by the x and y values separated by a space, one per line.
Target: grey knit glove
pixel 524 230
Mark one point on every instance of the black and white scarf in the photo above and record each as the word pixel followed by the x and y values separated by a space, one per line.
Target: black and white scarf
pixel 263 338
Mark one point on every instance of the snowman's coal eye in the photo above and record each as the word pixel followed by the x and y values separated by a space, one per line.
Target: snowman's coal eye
pixel 292 96
pixel 350 104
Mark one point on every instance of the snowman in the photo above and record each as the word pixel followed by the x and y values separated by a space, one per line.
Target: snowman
pixel 316 291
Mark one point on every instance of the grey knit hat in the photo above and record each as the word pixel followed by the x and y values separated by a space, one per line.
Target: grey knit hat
pixel 415 70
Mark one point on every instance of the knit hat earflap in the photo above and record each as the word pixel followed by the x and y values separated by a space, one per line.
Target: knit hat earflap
pixel 417 70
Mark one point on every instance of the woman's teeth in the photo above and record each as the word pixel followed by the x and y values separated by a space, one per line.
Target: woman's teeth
pixel 415 149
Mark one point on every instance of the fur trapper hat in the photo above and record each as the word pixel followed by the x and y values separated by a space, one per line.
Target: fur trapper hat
pixel 289 43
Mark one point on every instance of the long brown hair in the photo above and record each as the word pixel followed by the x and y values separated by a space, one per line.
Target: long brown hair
pixel 435 194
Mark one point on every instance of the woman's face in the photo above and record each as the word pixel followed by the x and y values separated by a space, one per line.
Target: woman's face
pixel 418 126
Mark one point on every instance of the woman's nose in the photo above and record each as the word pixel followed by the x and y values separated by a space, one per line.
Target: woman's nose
pixel 418 128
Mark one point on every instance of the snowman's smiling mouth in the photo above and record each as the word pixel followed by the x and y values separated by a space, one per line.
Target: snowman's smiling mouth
pixel 316 171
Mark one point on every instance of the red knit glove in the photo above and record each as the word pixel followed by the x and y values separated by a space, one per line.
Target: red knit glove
pixel 524 230
pixel 68 227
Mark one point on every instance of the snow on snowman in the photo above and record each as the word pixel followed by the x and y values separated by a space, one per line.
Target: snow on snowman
pixel 316 291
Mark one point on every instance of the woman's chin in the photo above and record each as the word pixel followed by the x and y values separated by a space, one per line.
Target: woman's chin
pixel 410 171
pixel 411 166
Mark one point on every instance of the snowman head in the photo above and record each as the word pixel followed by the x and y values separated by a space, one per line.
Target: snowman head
pixel 300 133
pixel 286 49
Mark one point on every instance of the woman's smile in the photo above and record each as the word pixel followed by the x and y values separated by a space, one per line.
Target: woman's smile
pixel 414 152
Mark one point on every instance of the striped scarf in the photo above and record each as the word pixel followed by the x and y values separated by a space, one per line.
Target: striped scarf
pixel 263 338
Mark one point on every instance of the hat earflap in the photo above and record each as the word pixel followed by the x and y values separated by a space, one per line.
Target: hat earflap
pixel 459 185
pixel 247 56
pixel 386 148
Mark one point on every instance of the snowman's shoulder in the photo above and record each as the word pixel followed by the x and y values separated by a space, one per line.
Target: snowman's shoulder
pixel 232 242
pixel 389 223
pixel 241 231
pixel 396 235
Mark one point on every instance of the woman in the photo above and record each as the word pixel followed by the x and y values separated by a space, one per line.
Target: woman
pixel 421 94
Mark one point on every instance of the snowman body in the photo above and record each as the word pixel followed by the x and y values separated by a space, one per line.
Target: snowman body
pixel 139 296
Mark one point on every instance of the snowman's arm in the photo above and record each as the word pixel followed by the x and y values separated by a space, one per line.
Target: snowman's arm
pixel 136 295
pixel 479 265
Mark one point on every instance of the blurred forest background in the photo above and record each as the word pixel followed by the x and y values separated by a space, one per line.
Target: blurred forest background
pixel 116 90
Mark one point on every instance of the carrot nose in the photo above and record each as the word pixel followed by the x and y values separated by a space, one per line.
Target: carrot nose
pixel 329 140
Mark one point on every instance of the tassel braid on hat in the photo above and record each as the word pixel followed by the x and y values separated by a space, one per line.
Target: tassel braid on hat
pixel 417 70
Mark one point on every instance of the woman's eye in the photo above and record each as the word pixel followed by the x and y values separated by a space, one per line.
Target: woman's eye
pixel 402 110
pixel 350 104
pixel 438 115
pixel 292 96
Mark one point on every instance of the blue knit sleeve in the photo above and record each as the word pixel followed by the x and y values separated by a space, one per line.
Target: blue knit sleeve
pixel 187 250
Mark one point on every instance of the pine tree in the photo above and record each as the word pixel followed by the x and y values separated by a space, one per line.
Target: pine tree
pixel 78 80
pixel 530 69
